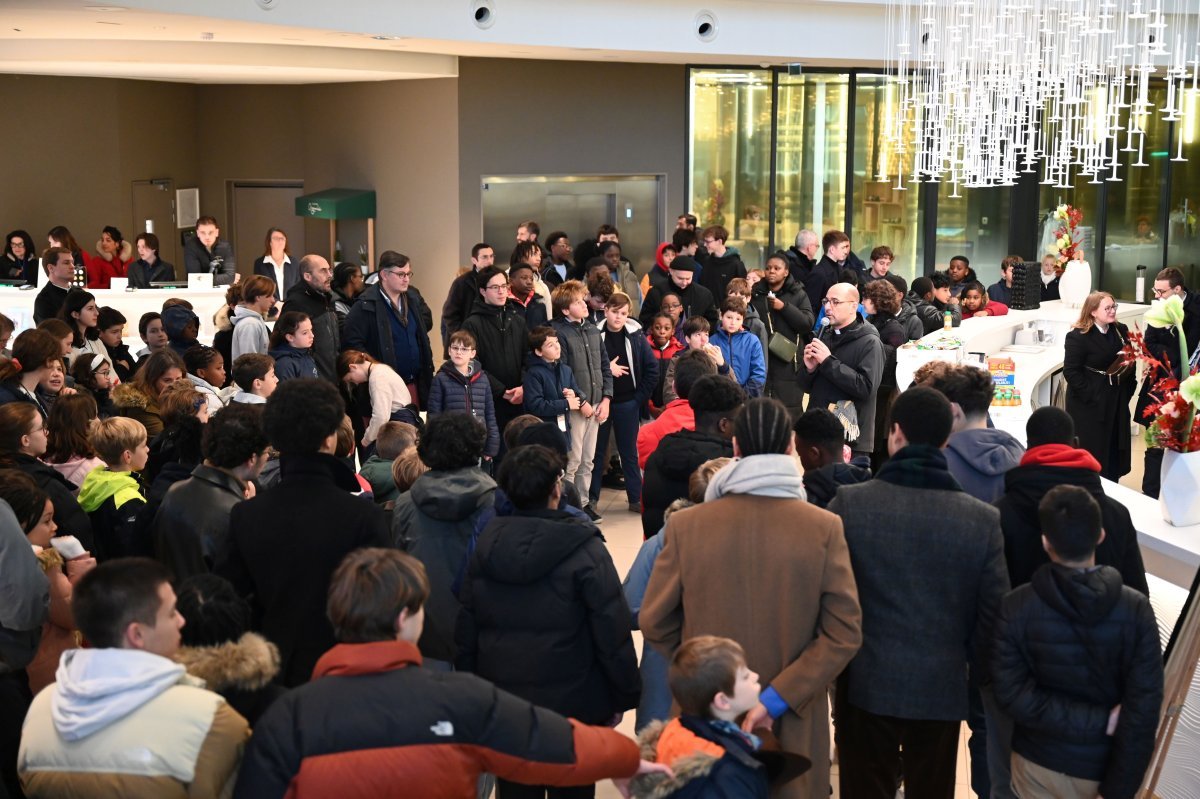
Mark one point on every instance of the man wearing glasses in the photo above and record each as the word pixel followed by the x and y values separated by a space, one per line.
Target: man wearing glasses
pixel 843 366
pixel 501 342
pixel 1165 342
pixel 388 322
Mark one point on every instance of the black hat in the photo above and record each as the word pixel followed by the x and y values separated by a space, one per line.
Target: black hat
pixel 684 263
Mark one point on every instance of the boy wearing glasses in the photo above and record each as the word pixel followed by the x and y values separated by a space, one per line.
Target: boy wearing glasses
pixel 498 327
pixel 462 385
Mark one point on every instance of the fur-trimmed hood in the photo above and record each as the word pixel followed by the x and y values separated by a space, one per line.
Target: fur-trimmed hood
pixel 125 254
pixel 222 318
pixel 128 395
pixel 247 664
pixel 657 785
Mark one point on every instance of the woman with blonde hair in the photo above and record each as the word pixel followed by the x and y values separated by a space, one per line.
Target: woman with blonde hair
pixel 1100 383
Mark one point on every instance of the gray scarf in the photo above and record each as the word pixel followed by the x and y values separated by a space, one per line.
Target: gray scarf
pixel 760 475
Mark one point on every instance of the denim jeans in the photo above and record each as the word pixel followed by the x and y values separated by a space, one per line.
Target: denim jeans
pixel 626 418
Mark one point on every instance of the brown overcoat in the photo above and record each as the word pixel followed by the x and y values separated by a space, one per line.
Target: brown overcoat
pixel 774 575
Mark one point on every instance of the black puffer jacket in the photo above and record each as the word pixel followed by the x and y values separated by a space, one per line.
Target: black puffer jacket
pixel 821 485
pixel 669 468
pixel 1024 487
pixel 718 271
pixel 69 517
pixel 501 343
pixel 1070 646
pixel 544 617
pixel 326 336
pixel 934 318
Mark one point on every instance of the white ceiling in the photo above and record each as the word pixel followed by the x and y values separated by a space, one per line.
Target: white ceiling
pixel 315 41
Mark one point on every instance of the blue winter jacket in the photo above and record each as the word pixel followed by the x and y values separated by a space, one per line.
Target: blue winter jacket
pixel 291 363
pixel 470 393
pixel 544 383
pixel 744 354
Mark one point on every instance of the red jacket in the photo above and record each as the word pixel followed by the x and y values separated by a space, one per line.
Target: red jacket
pixel 373 723
pixel 994 308
pixel 675 417
pixel 103 268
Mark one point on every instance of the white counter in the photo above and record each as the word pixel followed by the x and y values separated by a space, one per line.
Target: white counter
pixel 17 304
pixel 989 336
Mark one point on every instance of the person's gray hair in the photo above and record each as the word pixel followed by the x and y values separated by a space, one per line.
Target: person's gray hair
pixel 806 235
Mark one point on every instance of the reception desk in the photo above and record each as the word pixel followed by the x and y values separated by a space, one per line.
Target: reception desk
pixel 17 304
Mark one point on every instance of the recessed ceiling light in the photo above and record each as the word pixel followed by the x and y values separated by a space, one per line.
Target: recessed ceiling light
pixel 105 8
pixel 106 22
pixel 382 38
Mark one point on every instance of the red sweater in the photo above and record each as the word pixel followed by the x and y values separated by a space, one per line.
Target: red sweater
pixel 675 417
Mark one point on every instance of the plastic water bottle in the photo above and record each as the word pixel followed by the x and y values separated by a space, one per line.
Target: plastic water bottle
pixel 948 322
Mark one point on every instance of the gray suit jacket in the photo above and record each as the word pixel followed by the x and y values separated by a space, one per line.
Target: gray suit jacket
pixel 930 571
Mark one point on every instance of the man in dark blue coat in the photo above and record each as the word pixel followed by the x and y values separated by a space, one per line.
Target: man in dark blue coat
pixel 388 323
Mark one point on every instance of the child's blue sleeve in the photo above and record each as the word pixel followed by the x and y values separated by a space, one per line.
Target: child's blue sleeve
pixel 638 577
pixel 437 394
pixel 758 368
pixel 536 401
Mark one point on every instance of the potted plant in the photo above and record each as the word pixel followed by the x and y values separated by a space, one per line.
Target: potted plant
pixel 1175 425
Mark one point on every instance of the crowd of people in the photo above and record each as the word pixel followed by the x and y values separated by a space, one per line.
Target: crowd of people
pixel 204 596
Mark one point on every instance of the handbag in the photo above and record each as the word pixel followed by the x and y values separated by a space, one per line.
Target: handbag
pixel 780 345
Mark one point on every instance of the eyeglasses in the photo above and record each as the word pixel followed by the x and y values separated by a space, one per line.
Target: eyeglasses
pixel 1162 292
pixel 460 348
pixel 497 287
pixel 398 273
pixel 833 303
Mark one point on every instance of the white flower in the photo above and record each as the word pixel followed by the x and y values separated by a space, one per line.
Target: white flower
pixel 1165 313
pixel 1190 389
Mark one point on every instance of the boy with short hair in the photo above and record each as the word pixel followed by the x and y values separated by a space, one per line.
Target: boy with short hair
pixel 740 287
pixel 110 495
pixel 1077 665
pixel 695 331
pixel 254 376
pixel 150 328
pixel 111 323
pixel 740 348
pixel 583 352
pixel 635 376
pixel 393 439
pixel 462 385
pixel 713 686
pixel 551 393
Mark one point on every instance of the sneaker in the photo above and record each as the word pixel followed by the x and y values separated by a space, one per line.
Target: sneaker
pixel 593 514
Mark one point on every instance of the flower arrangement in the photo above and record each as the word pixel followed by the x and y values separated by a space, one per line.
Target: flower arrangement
pixel 1174 401
pixel 1066 241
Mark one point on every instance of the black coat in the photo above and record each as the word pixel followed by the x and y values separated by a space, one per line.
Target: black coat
pixel 291 274
pixel 283 547
pixel 794 320
pixel 544 616
pixel 696 301
pixel 799 264
pixel 142 274
pixel 1099 406
pixel 192 524
pixel 1024 487
pixel 669 468
pixel 1069 647
pixel 719 271
pixel 823 275
pixel 501 342
pixel 853 371
pixel 821 485
pixel 319 307
pixel 220 263
pixel 68 516
pixel 368 328
pixel 892 335
pixel 48 303
pixel 463 294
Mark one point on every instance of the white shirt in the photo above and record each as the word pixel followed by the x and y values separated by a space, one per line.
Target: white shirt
pixel 279 284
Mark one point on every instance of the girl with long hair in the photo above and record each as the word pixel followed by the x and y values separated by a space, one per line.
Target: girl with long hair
pixel 68 450
pixel 34 354
pixel 390 398
pixel 291 347
pixel 81 313
pixel 138 399
pixel 97 377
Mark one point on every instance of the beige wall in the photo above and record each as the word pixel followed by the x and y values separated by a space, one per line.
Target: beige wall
pixel 527 117
pixel 73 146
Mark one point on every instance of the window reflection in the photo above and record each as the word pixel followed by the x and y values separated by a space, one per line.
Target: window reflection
pixel 1183 244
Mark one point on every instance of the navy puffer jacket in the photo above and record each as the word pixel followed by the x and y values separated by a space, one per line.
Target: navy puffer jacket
pixel 1071 645
pixel 470 393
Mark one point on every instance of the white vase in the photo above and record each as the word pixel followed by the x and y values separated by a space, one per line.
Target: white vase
pixel 1179 496
pixel 1075 284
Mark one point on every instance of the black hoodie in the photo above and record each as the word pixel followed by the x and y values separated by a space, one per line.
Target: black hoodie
pixel 544 617
pixel 718 271
pixel 1024 487
pixel 1069 647
pixel 669 468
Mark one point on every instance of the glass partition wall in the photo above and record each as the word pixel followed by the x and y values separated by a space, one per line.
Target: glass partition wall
pixel 772 153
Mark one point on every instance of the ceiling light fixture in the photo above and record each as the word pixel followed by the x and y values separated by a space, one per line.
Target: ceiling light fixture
pixel 986 90
pixel 112 9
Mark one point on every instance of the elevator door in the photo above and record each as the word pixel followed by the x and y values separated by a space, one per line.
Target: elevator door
pixel 577 205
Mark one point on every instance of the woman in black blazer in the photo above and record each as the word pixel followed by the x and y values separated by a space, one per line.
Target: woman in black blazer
pixel 1098 391
pixel 277 254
